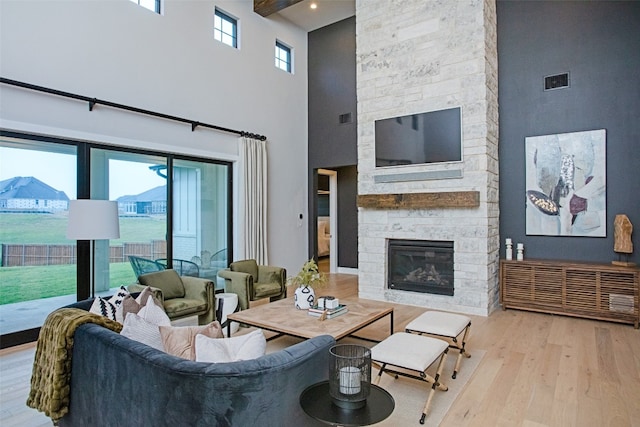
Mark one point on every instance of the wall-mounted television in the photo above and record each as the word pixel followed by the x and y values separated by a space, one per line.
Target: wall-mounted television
pixel 431 137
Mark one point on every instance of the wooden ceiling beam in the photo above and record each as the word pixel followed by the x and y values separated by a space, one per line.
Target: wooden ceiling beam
pixel 267 7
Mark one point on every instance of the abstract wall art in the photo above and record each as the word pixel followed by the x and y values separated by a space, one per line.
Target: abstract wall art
pixel 566 184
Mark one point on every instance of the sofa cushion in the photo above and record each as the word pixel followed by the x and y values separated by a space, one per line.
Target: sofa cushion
pixel 134 305
pixel 104 308
pixel 144 326
pixel 168 281
pixel 110 307
pixel 219 350
pixel 249 266
pixel 180 340
pixel 138 329
pixel 154 313
pixel 180 307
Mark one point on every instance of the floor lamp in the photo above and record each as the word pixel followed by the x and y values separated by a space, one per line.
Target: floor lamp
pixel 93 220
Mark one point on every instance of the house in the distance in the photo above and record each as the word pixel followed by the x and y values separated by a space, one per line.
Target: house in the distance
pixel 150 202
pixel 29 194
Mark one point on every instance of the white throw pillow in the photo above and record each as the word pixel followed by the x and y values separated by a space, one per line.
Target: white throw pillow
pixel 144 326
pixel 134 305
pixel 103 307
pixel 138 329
pixel 116 300
pixel 110 308
pixel 154 314
pixel 220 350
pixel 119 295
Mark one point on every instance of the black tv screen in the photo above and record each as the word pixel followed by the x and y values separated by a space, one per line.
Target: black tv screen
pixel 430 137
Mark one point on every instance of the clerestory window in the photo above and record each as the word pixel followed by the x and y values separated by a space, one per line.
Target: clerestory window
pixel 152 5
pixel 225 28
pixel 283 56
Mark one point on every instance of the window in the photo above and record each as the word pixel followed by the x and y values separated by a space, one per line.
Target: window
pixel 172 209
pixel 152 5
pixel 283 57
pixel 225 28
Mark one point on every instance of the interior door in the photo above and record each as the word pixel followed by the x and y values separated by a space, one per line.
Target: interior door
pixel 328 205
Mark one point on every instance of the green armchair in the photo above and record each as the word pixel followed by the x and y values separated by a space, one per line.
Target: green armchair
pixel 181 296
pixel 252 282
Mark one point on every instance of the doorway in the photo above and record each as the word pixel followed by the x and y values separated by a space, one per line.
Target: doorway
pixel 327 220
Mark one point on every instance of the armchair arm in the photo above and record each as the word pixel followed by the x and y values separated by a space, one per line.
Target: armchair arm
pixel 238 283
pixel 199 289
pixel 137 287
pixel 272 274
pixel 204 290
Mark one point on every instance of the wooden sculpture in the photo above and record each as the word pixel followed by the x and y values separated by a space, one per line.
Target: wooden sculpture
pixel 622 229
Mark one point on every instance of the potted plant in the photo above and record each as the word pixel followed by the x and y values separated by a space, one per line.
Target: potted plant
pixel 307 278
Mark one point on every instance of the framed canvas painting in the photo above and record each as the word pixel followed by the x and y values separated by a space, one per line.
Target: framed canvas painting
pixel 566 184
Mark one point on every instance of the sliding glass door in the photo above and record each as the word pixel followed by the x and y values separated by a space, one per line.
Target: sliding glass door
pixel 174 212
pixel 200 218
pixel 138 182
pixel 38 262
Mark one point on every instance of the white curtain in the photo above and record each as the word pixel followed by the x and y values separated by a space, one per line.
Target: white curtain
pixel 253 169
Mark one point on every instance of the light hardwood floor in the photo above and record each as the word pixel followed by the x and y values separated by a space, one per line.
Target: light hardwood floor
pixel 538 370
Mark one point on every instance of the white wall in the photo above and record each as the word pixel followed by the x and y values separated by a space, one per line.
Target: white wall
pixel 118 51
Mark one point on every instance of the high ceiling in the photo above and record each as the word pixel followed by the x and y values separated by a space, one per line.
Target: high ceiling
pixel 300 12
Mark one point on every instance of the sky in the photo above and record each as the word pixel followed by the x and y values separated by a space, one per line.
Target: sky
pixel 59 171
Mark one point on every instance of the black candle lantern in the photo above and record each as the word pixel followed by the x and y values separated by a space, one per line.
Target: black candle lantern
pixel 349 375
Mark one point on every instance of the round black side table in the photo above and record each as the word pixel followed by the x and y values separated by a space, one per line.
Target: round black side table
pixel 316 402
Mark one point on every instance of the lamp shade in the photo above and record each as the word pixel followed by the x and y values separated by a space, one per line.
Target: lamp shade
pixel 93 220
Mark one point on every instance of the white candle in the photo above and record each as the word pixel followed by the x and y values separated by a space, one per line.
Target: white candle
pixel 349 380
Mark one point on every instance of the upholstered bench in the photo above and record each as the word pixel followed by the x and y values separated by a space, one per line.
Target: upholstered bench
pixel 413 353
pixel 445 325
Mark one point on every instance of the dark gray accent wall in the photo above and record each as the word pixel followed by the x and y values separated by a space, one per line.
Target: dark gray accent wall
pixel 332 93
pixel 348 216
pixel 598 43
pixel 333 129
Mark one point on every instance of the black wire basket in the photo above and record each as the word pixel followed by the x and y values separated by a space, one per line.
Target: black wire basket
pixel 349 375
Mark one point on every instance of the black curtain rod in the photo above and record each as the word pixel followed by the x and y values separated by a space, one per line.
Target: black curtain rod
pixel 94 101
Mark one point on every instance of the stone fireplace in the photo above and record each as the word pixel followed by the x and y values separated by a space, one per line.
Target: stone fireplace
pixel 412 57
pixel 420 266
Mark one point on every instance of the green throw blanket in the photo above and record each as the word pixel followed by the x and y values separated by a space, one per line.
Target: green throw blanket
pixel 51 375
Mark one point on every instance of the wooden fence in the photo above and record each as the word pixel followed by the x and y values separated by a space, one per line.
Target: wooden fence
pixel 30 255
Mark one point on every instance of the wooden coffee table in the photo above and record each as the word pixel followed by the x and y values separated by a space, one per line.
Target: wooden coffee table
pixel 284 319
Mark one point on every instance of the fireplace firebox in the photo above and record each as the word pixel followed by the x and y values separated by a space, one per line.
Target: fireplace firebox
pixel 420 266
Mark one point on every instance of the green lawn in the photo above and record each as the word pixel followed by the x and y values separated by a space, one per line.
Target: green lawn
pixel 18 284
pixel 52 228
pixel 28 283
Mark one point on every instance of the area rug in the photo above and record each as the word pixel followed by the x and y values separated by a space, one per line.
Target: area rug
pixel 410 395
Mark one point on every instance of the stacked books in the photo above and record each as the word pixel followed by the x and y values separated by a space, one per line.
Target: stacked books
pixel 330 312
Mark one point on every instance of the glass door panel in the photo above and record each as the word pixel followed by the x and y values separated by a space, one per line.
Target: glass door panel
pixel 38 264
pixel 138 183
pixel 200 218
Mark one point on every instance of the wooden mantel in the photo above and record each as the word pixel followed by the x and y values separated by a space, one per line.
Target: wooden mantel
pixel 451 199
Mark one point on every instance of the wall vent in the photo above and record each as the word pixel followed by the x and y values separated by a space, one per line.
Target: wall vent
pixel 345 118
pixel 557 81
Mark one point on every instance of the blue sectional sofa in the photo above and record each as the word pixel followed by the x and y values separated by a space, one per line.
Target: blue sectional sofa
pixel 116 381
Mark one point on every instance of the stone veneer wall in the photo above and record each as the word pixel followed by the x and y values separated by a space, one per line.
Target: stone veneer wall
pixel 415 56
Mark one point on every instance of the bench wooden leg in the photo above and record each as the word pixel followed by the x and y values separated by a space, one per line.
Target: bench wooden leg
pixel 463 352
pixel 376 381
pixel 435 384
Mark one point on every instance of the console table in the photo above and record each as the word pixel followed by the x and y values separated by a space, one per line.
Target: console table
pixel 580 289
